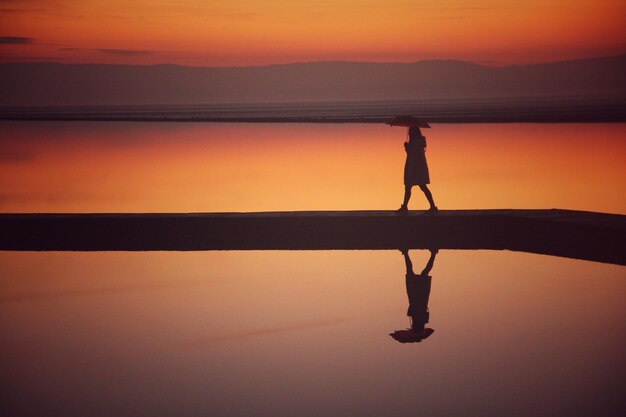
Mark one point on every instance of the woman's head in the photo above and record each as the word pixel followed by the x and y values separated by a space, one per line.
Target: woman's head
pixel 415 132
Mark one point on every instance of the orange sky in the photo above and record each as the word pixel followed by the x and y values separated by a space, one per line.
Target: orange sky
pixel 245 32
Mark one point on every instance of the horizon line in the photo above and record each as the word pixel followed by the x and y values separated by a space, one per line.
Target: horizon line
pixel 623 54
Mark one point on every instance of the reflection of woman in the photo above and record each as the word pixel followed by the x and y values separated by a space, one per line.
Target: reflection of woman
pixel 416 169
pixel 418 291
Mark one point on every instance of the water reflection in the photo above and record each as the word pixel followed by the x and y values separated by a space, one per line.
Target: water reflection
pixel 205 167
pixel 207 331
pixel 418 292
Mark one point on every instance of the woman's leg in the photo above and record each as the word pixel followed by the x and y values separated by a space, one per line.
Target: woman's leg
pixel 407 195
pixel 428 195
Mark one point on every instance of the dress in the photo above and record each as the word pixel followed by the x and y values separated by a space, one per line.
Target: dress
pixel 415 167
pixel 418 290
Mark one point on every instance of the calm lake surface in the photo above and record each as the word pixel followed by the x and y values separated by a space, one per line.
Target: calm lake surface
pixel 306 333
pixel 182 167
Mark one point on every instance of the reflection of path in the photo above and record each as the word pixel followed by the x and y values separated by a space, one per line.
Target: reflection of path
pixel 418 291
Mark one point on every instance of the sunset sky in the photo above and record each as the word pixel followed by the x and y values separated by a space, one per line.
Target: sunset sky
pixel 246 32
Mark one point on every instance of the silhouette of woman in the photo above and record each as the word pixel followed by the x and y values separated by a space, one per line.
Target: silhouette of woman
pixel 416 169
pixel 418 292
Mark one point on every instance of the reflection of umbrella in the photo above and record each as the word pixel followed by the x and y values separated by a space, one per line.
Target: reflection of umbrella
pixel 411 336
pixel 407 121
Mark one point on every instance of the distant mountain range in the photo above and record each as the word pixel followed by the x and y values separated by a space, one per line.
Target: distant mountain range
pixel 46 84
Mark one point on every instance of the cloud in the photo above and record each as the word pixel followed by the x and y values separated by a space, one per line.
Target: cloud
pixel 118 52
pixel 15 40
pixel 34 58
pixel 16 156
pixel 124 52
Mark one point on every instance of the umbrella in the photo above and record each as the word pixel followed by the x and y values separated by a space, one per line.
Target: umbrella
pixel 411 336
pixel 408 121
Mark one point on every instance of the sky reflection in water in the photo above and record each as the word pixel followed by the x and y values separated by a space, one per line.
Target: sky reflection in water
pixel 173 167
pixel 307 333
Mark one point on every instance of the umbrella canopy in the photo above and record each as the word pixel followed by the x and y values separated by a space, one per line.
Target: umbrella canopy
pixel 408 121
pixel 410 336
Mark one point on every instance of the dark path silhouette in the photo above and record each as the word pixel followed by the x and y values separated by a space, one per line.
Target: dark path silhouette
pixel 574 234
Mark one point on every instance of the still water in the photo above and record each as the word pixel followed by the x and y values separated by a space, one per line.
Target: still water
pixel 183 167
pixel 307 333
